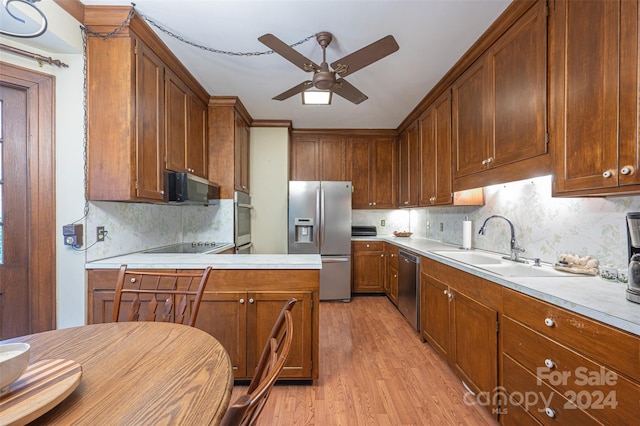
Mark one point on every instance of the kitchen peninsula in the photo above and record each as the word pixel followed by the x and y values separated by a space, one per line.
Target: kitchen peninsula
pixel 243 297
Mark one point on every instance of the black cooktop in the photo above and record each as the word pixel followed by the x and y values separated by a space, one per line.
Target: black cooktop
pixel 195 247
pixel 363 231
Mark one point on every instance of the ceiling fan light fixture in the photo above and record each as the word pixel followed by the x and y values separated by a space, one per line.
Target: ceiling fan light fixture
pixel 316 97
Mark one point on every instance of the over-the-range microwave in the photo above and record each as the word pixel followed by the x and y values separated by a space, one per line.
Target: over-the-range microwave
pixel 185 188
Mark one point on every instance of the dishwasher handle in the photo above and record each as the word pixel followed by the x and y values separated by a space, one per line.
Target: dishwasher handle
pixel 409 257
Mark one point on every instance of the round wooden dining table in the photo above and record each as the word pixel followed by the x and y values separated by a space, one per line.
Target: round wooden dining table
pixel 138 373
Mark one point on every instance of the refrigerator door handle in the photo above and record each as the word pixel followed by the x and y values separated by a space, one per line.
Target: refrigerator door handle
pixel 318 208
pixel 322 225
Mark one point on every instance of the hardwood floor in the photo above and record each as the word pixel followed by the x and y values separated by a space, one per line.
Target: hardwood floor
pixel 374 370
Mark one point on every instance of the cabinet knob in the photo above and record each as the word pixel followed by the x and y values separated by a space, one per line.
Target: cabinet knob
pixel 489 160
pixel 244 186
pixel 367 245
pixel 549 412
pixel 626 170
pixel 484 162
pixel 392 255
pixel 395 275
pixel 374 204
pixel 446 293
pixel 607 174
pixel 241 301
pixel 549 322
pixel 133 280
pixel 162 192
pixel 251 300
pixel 369 203
pixel 549 363
pixel 432 199
pixel 382 255
pixel 406 202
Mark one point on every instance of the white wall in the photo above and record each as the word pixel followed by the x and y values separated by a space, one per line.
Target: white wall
pixel 63 41
pixel 269 177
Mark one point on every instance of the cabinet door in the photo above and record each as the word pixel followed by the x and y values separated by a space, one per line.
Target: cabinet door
pixel 383 176
pixel 149 182
pixel 177 106
pixel 393 285
pixel 361 172
pixel 334 158
pixel 435 153
pixel 304 158
pixel 470 123
pixel 241 154
pixel 224 316
pixel 197 137
pixel 474 349
pixel 517 61
pixel 434 313
pixel 584 93
pixel 368 267
pixel 408 168
pixel 263 309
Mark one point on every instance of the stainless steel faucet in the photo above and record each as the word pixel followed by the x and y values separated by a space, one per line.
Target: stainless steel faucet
pixel 515 249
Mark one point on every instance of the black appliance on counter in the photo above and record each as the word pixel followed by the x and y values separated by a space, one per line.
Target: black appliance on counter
pixel 633 241
pixel 363 231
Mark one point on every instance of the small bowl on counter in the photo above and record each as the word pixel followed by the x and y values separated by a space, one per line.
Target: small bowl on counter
pixel 402 233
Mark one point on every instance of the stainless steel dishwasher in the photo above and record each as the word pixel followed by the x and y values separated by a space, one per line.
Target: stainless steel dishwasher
pixel 408 288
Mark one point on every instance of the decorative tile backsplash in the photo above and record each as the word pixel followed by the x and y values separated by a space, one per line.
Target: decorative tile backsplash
pixel 545 226
pixel 132 227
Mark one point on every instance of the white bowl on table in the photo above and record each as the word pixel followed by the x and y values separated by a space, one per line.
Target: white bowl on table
pixel 14 359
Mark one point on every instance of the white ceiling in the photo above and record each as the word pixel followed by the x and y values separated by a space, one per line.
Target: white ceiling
pixel 432 36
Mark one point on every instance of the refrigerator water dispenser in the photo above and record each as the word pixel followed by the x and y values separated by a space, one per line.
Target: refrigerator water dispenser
pixel 303 230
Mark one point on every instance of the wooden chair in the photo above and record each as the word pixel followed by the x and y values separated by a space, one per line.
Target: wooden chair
pixel 246 408
pixel 160 295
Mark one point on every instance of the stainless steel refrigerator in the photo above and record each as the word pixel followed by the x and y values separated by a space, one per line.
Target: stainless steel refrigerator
pixel 320 222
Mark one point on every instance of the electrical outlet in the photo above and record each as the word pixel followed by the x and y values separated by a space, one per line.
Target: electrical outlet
pixel 441 226
pixel 382 222
pixel 100 233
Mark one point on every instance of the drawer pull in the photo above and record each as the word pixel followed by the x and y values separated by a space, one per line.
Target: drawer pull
pixel 549 363
pixel 549 412
pixel 549 322
pixel 133 280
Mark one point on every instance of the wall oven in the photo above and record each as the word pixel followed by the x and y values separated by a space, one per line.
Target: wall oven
pixel 242 219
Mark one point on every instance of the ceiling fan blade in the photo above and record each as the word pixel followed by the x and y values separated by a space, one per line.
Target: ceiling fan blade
pixel 288 52
pixel 365 56
pixel 348 91
pixel 294 90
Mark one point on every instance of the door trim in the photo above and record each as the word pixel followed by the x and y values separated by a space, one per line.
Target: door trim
pixel 40 89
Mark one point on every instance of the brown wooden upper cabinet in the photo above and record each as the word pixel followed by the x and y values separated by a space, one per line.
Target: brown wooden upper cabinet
pixel 228 145
pixel 186 149
pixel 409 156
pixel 435 153
pixel 499 108
pixel 594 97
pixel 145 112
pixel 373 172
pixel 319 157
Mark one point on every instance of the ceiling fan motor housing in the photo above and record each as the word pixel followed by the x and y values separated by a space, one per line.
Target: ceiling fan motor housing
pixel 324 79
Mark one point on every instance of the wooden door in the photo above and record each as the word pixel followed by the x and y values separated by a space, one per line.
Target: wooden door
pixel 470 122
pixel 368 271
pixel 584 79
pixel 434 312
pixel 384 175
pixel 150 136
pixel 197 137
pixel 224 316
pixel 361 172
pixel 518 89
pixel 474 348
pixel 629 144
pixel 262 311
pixel 334 158
pixel 443 186
pixel 177 113
pixel 27 202
pixel 304 158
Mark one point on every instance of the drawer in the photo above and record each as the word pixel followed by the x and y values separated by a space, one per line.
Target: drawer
pixel 538 398
pixel 605 344
pixel 515 415
pixel 392 252
pixel 604 394
pixel 367 245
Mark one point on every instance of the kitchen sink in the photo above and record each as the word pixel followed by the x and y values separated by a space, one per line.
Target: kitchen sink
pixel 496 264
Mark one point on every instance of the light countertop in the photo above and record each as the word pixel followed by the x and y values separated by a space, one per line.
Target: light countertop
pixel 590 296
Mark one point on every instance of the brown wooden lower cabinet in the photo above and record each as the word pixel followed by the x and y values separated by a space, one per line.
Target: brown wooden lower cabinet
pixel 459 318
pixel 368 266
pixel 391 272
pixel 239 308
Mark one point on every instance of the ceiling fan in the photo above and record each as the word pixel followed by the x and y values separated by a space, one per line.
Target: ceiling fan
pixel 323 77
